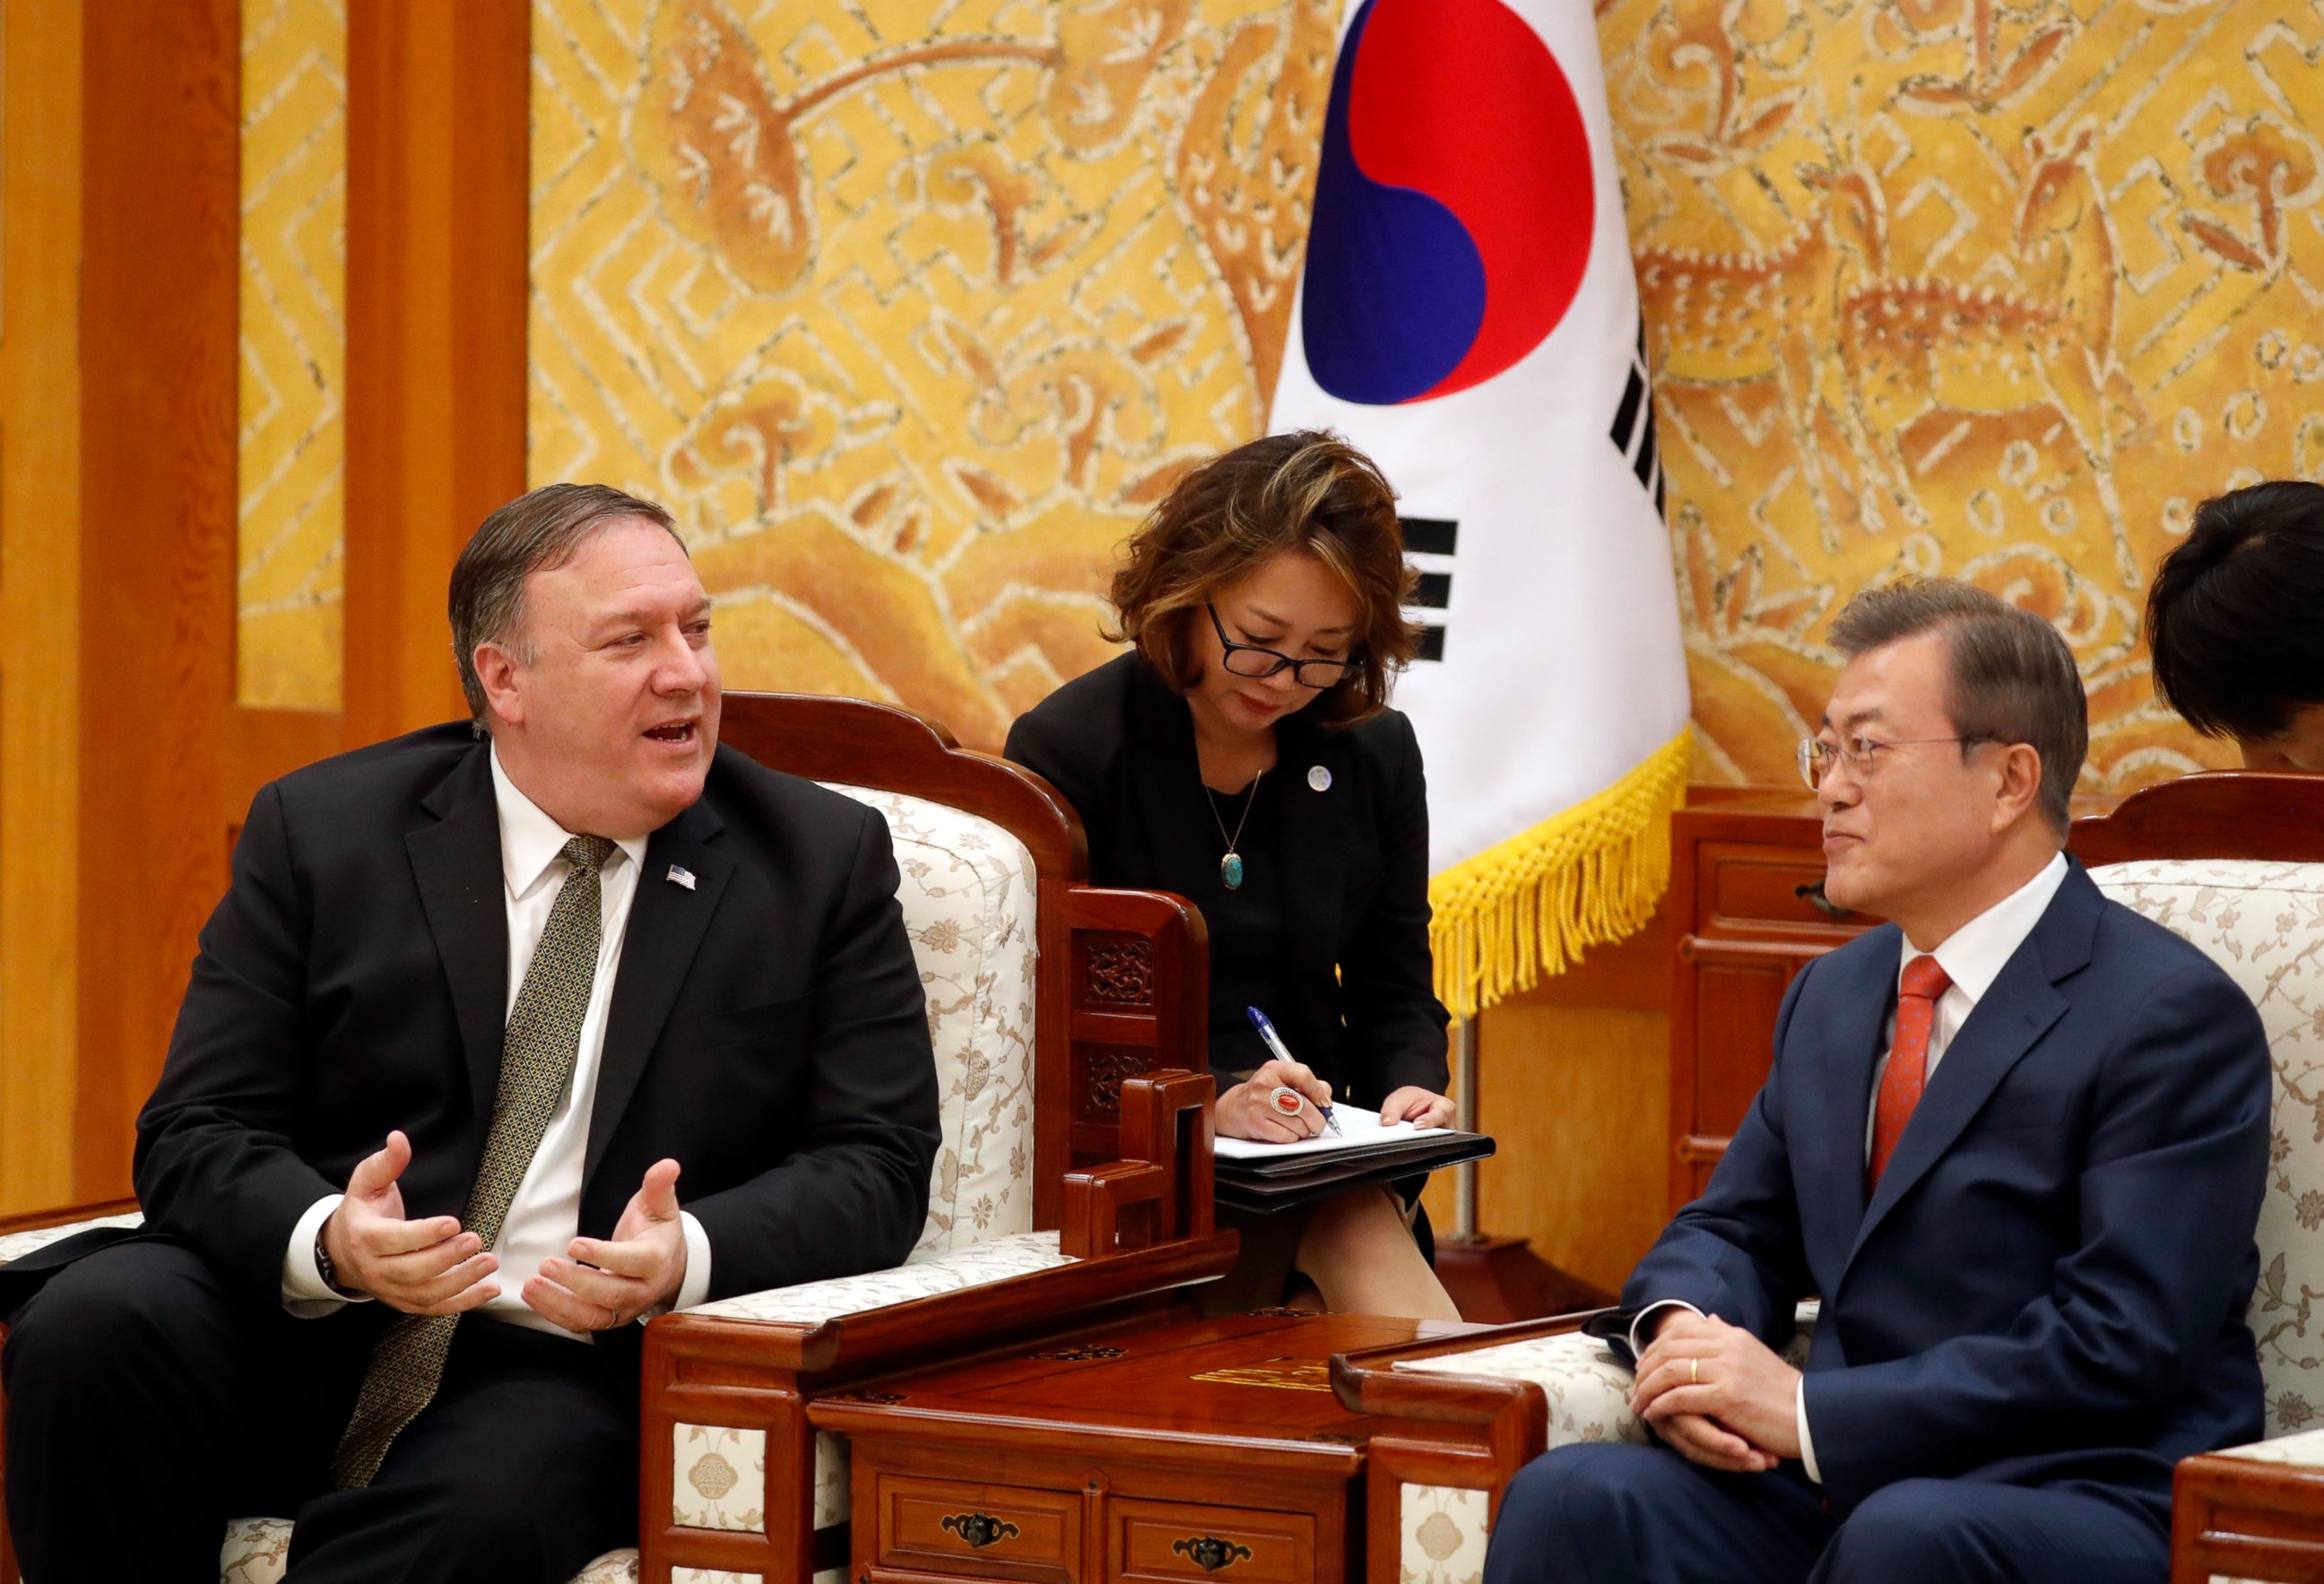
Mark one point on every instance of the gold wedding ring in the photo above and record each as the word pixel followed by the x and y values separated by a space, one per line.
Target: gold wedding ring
pixel 1694 1372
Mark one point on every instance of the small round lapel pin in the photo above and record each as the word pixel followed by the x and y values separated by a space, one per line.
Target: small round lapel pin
pixel 1319 777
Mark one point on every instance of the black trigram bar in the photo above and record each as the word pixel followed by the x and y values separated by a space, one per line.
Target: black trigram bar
pixel 1429 536
pixel 1433 591
pixel 1634 420
pixel 1626 416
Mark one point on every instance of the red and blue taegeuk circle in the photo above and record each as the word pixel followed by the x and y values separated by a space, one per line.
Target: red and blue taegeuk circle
pixel 1453 203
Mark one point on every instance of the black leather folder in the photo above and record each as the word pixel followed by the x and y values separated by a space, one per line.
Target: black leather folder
pixel 1263 1185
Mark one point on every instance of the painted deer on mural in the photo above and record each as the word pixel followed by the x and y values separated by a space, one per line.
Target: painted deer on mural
pixel 1717 318
pixel 1913 347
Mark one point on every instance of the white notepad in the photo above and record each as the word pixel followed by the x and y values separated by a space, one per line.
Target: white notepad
pixel 1358 1128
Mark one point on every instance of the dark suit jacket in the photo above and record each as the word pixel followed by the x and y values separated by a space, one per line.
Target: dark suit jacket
pixel 1118 743
pixel 767 1029
pixel 2050 1283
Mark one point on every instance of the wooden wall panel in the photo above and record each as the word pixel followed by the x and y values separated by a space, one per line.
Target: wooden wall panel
pixel 125 765
pixel 157 459
pixel 1573 1081
pixel 438 122
pixel 40 582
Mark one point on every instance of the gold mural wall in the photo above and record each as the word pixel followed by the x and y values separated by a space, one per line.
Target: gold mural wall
pixel 1953 286
pixel 290 474
pixel 910 310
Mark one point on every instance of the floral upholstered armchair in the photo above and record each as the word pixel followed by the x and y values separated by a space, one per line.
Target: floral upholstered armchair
pixel 1073 1175
pixel 2233 863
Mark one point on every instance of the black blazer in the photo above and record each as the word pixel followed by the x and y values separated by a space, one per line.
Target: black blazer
pixel 1366 1014
pixel 768 1029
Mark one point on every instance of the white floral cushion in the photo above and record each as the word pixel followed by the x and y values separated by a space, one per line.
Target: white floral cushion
pixel 976 1266
pixel 16 1244
pixel 258 1550
pixel 2263 923
pixel 1588 1388
pixel 968 895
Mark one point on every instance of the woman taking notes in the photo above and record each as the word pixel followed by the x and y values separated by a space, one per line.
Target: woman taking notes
pixel 1242 755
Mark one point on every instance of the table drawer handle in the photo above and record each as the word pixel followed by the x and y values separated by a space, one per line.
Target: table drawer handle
pixel 979 1529
pixel 1211 1553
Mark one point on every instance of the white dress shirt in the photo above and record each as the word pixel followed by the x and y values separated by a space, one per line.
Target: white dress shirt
pixel 1972 957
pixel 545 1215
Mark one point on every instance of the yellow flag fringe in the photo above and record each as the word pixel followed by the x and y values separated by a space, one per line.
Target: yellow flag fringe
pixel 1528 906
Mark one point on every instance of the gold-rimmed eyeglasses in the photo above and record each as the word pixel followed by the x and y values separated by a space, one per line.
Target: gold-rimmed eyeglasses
pixel 1817 756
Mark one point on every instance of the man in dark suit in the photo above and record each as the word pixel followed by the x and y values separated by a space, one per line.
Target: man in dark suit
pixel 501 1041
pixel 2016 1139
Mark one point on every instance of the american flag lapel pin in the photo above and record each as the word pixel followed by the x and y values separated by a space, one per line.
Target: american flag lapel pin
pixel 681 876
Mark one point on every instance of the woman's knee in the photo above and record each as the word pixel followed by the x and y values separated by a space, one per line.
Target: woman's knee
pixel 1351 1222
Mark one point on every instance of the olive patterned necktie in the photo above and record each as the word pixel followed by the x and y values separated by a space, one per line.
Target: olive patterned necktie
pixel 536 1056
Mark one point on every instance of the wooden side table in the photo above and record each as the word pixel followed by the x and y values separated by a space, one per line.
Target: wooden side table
pixel 1208 1450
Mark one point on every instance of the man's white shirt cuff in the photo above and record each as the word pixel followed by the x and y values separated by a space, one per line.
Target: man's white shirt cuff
pixel 1639 1329
pixel 1807 1441
pixel 305 1294
pixel 696 1287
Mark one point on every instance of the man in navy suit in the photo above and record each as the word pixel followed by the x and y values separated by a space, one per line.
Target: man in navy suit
pixel 2016 1140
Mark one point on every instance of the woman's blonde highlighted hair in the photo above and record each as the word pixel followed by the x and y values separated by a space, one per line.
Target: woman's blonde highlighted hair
pixel 1307 490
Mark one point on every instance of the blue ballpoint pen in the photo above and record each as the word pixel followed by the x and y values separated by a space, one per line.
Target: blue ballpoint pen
pixel 1283 1053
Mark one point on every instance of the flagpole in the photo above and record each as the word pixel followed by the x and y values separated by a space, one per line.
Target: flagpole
pixel 1464 1117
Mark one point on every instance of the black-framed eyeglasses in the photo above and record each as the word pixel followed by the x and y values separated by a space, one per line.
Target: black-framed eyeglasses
pixel 1817 756
pixel 1247 660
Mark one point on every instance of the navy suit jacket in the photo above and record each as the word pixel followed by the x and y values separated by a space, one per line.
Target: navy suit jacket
pixel 2050 1283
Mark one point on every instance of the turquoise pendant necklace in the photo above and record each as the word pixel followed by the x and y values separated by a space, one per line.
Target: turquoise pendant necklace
pixel 1231 866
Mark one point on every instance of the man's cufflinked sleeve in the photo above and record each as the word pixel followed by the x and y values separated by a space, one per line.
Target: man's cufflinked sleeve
pixel 305 1294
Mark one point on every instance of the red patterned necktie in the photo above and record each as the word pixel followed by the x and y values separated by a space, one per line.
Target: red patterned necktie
pixel 1908 1061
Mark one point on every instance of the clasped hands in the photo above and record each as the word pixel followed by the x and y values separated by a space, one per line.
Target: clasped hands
pixel 1717 1395
pixel 1243 1111
pixel 434 1267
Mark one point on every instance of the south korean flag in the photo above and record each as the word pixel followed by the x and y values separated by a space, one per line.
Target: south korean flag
pixel 1468 316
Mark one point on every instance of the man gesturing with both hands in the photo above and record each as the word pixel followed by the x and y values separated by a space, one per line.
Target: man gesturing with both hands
pixel 503 1038
pixel 2016 1140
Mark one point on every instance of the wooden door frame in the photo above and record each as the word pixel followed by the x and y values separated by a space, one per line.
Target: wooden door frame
pixel 438 118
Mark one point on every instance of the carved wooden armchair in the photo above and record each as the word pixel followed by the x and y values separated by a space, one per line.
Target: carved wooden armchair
pixel 1072 1189
pixel 2234 862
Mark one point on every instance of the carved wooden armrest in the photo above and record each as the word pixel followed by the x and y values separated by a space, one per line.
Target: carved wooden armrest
pixel 1467 1419
pixel 744 1369
pixel 713 1369
pixel 1473 1411
pixel 2251 1512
